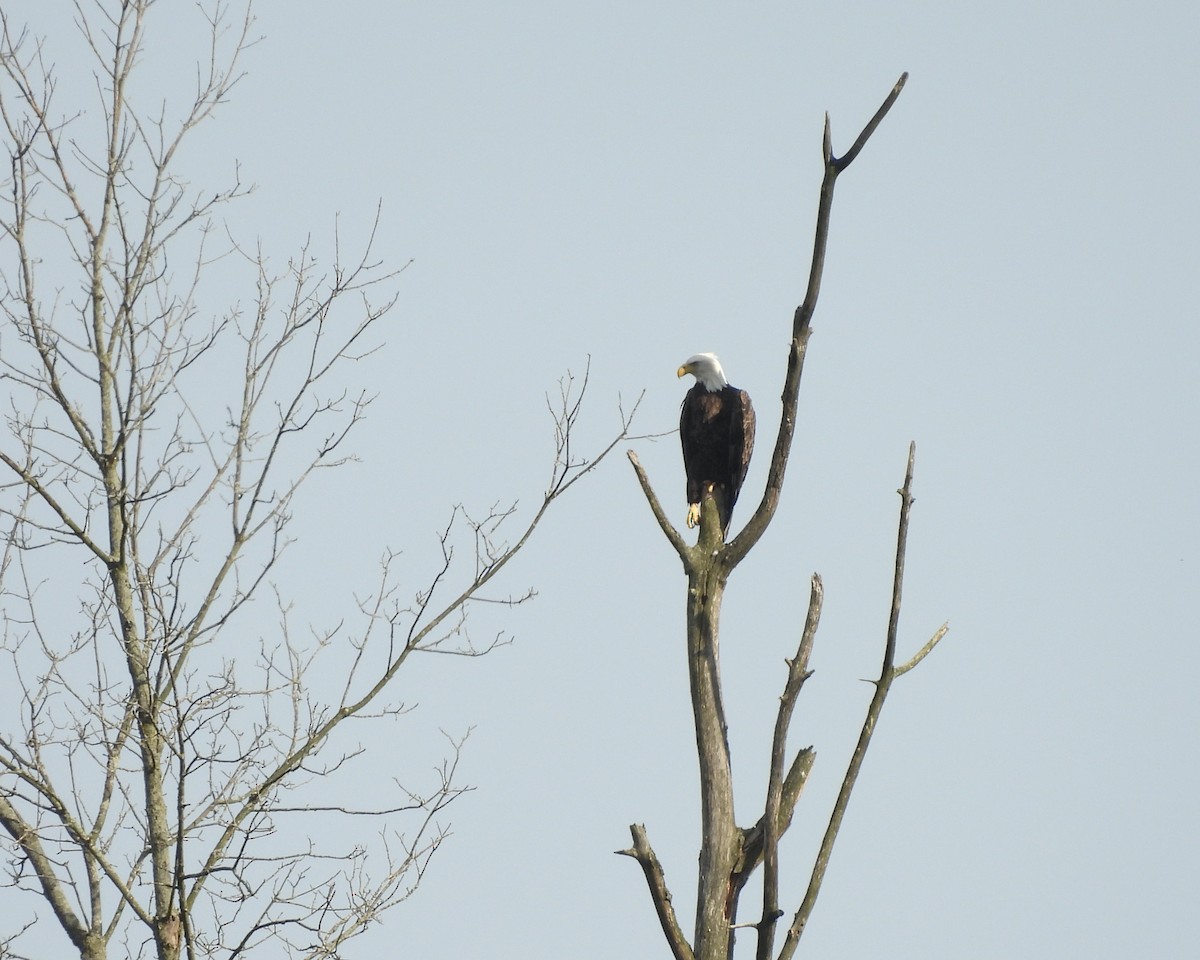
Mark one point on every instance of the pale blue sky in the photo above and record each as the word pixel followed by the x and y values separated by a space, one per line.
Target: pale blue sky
pixel 1011 284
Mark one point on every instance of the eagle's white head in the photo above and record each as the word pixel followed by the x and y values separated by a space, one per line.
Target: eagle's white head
pixel 706 368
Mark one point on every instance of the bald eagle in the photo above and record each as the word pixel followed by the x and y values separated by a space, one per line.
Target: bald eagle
pixel 716 427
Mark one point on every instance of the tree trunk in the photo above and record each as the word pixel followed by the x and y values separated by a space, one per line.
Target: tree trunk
pixel 720 848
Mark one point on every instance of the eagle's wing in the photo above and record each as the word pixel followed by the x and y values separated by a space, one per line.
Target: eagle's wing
pixel 741 442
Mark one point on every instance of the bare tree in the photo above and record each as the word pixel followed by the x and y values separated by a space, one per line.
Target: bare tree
pixel 160 767
pixel 729 854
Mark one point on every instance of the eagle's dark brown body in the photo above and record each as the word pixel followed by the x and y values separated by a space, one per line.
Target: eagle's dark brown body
pixel 717 431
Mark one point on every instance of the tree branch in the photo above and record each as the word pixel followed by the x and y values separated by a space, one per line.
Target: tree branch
pixel 644 854
pixel 25 476
pixel 801 330
pixel 798 672
pixel 668 529
pixel 924 651
pixel 848 157
pixel 253 797
pixel 789 796
pixel 888 672
pixel 27 839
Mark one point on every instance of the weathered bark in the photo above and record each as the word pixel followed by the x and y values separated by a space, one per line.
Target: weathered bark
pixel 720 840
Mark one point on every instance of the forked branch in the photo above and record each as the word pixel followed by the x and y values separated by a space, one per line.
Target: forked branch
pixel 888 672
pixel 774 812
pixel 733 553
pixel 801 330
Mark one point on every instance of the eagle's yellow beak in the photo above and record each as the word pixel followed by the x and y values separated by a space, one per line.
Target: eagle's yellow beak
pixel 685 369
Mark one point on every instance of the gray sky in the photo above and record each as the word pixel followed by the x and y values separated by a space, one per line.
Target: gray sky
pixel 1010 283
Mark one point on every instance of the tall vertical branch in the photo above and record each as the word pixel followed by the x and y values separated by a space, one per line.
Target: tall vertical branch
pixel 775 810
pixel 801 331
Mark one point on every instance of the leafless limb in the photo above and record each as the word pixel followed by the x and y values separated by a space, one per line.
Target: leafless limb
pixel 887 674
pixel 775 813
pixel 802 330
pixel 644 854
pixel 664 523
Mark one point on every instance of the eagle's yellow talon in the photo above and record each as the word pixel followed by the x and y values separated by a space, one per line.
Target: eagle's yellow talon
pixel 693 517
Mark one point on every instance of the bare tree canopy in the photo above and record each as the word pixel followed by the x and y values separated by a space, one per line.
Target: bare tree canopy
pixel 162 757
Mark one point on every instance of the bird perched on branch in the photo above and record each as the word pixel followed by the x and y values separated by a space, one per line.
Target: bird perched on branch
pixel 716 428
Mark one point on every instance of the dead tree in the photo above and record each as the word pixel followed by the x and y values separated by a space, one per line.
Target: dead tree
pixel 729 854
pixel 166 757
